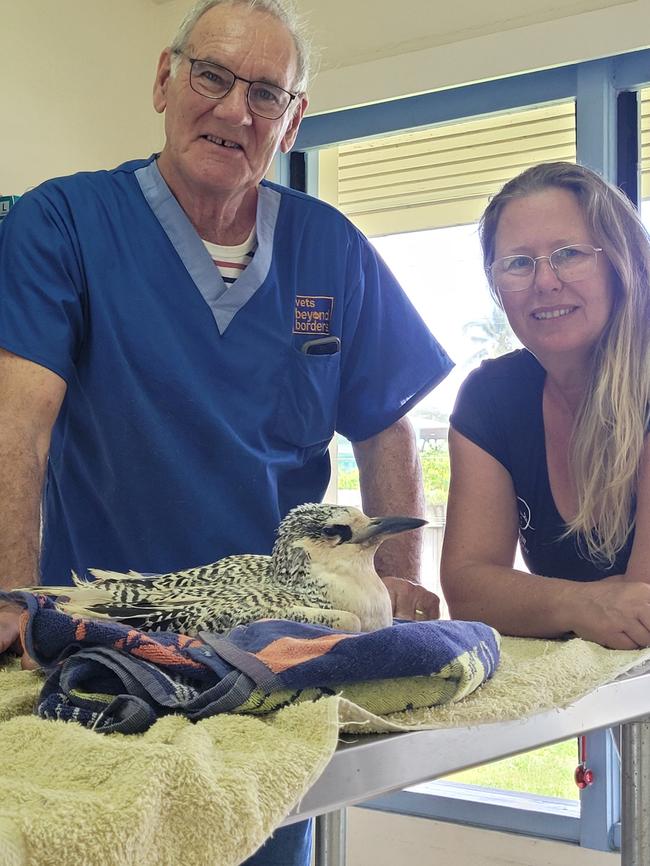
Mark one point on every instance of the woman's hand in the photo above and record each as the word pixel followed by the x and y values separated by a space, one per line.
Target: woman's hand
pixel 411 600
pixel 613 613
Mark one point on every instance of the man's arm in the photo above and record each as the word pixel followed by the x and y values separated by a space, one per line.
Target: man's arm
pixel 390 477
pixel 30 399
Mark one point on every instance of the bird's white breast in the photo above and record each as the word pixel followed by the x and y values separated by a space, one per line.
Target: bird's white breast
pixel 351 583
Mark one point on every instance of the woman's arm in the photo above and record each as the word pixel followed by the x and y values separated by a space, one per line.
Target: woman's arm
pixel 479 580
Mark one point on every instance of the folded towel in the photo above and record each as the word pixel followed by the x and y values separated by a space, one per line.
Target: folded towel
pixel 278 654
pixel 405 667
pixel 110 677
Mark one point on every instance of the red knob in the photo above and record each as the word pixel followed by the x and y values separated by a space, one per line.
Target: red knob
pixel 583 777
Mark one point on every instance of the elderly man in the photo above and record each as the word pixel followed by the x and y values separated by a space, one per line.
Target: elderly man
pixel 180 339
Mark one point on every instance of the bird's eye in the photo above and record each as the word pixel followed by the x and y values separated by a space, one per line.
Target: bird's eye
pixel 338 530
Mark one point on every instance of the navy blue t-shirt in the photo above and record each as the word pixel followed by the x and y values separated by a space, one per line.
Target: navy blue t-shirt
pixel 499 408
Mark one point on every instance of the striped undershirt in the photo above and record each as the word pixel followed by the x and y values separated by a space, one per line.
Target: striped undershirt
pixel 232 261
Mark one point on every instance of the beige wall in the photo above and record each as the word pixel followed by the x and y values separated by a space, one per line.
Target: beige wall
pixel 381 839
pixel 76 85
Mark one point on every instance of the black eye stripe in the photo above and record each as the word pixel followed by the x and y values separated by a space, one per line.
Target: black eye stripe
pixel 338 529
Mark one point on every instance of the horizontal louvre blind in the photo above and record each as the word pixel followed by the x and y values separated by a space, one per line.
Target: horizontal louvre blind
pixel 645 143
pixel 445 175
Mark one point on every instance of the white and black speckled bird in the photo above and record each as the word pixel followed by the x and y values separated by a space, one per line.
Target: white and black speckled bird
pixel 320 571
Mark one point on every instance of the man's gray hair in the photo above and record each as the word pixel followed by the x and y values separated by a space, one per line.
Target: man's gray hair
pixel 280 9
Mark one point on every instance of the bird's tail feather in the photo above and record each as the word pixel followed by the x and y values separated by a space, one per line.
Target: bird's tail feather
pixel 79 600
pixel 100 575
pixel 79 581
pixel 88 598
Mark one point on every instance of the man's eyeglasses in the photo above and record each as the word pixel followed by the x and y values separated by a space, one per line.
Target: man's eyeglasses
pixel 215 82
pixel 517 273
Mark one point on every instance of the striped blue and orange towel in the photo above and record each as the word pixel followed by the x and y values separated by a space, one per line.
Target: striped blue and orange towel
pixel 115 678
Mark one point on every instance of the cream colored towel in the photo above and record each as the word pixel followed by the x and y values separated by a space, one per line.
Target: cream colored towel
pixel 205 794
pixel 533 676
pixel 210 793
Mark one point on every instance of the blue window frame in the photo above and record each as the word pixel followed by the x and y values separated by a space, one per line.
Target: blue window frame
pixel 595 86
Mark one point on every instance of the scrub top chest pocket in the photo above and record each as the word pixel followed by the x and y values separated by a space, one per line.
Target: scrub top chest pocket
pixel 309 393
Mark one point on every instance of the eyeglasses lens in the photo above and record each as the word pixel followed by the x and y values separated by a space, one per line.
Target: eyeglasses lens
pixel 571 263
pixel 267 100
pixel 215 82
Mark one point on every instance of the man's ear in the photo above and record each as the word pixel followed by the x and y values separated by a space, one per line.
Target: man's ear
pixel 161 83
pixel 292 129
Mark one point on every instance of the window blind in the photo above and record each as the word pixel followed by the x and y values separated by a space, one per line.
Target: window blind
pixel 443 175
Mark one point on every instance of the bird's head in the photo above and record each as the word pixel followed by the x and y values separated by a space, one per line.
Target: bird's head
pixel 320 527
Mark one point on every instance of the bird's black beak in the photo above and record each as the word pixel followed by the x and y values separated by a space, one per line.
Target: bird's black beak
pixel 386 526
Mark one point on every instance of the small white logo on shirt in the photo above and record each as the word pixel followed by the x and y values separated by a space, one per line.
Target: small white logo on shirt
pixel 524 515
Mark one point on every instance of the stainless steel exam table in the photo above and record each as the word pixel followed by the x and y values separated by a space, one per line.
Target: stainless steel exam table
pixel 376 764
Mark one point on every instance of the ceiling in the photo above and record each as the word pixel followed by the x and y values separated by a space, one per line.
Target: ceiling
pixel 412 25
pixel 355 31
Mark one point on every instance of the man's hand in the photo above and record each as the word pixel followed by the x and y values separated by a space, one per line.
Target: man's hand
pixel 10 634
pixel 411 600
pixel 9 628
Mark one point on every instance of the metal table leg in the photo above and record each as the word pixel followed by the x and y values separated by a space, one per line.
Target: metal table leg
pixel 331 834
pixel 635 795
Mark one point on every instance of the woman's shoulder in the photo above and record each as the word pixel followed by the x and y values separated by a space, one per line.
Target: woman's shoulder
pixel 509 373
pixel 500 390
pixel 515 364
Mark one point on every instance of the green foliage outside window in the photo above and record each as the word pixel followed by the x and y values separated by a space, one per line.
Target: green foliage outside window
pixel 435 471
pixel 348 479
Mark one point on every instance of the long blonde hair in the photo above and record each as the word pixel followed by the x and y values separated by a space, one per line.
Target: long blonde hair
pixel 610 427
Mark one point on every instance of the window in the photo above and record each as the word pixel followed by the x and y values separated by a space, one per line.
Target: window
pixel 644 156
pixel 432 186
pixel 418 196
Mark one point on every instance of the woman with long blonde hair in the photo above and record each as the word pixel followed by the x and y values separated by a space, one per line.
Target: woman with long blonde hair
pixel 548 444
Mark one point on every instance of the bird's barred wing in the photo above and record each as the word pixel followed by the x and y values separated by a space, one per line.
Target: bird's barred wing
pixel 227 606
pixel 210 609
pixel 96 601
pixel 192 622
pixel 246 569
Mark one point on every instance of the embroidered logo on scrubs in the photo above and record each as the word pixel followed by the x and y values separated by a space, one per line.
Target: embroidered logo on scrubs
pixel 313 315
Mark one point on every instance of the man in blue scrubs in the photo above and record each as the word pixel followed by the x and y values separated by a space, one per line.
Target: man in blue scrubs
pixel 179 340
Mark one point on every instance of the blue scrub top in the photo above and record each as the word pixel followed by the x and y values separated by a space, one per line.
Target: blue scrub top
pixel 192 420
